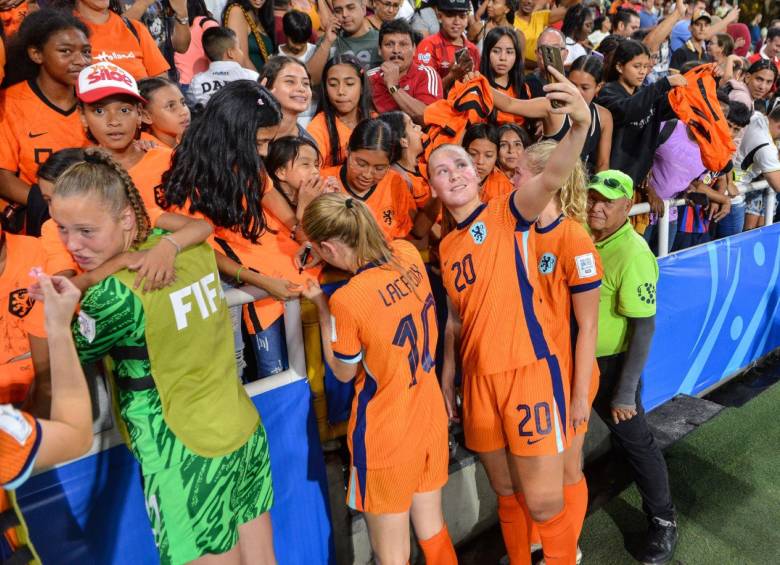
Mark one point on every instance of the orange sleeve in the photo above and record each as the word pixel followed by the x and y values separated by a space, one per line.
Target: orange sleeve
pixel 583 264
pixel 154 61
pixel 405 207
pixel 319 132
pixel 345 335
pixel 58 258
pixel 20 437
pixel 9 144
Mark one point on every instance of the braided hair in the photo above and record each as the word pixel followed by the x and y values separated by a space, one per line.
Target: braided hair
pixel 99 174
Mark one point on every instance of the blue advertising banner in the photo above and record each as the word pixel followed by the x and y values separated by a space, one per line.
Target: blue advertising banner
pixel 92 510
pixel 717 312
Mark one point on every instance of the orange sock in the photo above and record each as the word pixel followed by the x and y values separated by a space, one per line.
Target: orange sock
pixel 576 498
pixel 558 540
pixel 439 550
pixel 534 538
pixel 532 533
pixel 514 527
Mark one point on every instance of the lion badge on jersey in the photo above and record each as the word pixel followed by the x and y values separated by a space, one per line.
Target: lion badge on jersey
pixel 547 263
pixel 20 303
pixel 478 232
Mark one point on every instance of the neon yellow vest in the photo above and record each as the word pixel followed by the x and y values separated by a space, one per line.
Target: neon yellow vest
pixel 189 338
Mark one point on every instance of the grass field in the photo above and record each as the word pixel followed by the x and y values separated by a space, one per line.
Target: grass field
pixel 725 480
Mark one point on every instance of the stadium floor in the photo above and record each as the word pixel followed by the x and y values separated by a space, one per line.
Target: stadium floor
pixel 725 481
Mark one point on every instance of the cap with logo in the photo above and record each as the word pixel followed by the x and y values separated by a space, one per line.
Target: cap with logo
pixel 102 80
pixel 612 184
pixel 702 15
pixel 453 5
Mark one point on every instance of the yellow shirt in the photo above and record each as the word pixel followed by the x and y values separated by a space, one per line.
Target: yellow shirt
pixel 532 29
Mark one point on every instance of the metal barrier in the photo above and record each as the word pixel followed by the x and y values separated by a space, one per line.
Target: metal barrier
pixel 663 221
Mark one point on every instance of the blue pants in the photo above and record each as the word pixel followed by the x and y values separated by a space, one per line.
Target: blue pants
pixel 651 236
pixel 732 224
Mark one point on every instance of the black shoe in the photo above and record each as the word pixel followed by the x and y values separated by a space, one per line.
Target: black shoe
pixel 660 543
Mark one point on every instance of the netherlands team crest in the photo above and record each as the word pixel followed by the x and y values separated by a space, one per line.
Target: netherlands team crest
pixel 20 303
pixel 547 263
pixel 478 232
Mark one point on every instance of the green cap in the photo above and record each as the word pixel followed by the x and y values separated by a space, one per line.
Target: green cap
pixel 612 184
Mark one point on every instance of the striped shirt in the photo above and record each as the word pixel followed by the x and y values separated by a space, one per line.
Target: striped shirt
pixel 420 82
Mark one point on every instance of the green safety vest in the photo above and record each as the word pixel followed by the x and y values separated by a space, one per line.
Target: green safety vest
pixel 189 338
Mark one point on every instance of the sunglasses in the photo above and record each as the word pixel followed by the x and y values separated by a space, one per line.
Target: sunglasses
pixel 610 183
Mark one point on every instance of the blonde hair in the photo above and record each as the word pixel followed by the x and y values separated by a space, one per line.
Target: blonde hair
pixel 100 175
pixel 573 194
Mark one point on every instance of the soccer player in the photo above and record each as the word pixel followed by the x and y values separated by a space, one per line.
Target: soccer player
pixel 516 402
pixel 380 330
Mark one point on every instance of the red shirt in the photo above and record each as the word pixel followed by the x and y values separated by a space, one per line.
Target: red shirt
pixel 438 53
pixel 420 82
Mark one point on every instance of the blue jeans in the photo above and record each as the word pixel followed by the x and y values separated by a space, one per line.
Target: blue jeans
pixel 732 224
pixel 651 235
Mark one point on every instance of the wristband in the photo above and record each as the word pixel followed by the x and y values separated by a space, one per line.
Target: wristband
pixel 184 20
pixel 172 241
pixel 238 275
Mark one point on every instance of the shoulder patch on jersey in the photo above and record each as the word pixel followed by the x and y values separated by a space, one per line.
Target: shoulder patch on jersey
pixel 87 326
pixel 547 263
pixel 478 232
pixel 586 265
pixel 13 423
pixel 646 292
pixel 424 58
pixel 20 303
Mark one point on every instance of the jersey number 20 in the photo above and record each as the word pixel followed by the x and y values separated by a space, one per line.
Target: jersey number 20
pixel 464 273
pixel 407 333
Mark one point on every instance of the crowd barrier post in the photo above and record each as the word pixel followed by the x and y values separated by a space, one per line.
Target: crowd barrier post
pixel 663 231
pixel 769 206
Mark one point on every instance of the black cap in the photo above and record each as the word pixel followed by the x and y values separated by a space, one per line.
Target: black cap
pixel 453 5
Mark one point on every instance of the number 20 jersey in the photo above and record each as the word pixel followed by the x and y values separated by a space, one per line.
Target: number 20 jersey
pixel 387 323
pixel 488 269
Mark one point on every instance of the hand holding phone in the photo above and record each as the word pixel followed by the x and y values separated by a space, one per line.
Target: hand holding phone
pixel 551 57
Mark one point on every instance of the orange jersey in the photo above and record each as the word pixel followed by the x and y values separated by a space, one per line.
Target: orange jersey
pixel 318 129
pixel 12 18
pixel 567 263
pixel 137 53
pixel 488 266
pixel 20 436
pixel 20 316
pixel 58 258
pixel 416 183
pixel 505 118
pixel 147 174
pixel 387 322
pixel 32 128
pixel 496 184
pixel 390 201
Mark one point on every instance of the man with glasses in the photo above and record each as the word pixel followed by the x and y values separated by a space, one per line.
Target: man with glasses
pixel 626 326
pixel 537 79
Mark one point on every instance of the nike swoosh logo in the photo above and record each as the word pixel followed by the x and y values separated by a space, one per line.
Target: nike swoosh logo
pixel 34 135
pixel 531 442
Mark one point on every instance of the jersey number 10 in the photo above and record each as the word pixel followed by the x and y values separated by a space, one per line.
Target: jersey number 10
pixel 407 333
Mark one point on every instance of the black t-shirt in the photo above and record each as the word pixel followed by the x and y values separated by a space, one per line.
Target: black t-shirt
pixel 688 53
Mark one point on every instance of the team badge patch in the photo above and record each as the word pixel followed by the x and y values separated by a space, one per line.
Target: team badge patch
pixel 478 232
pixel 646 292
pixel 14 424
pixel 424 58
pixel 387 217
pixel 547 263
pixel 20 303
pixel 586 265
pixel 87 326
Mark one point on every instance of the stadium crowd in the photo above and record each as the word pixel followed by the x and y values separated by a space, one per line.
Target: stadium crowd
pixel 465 169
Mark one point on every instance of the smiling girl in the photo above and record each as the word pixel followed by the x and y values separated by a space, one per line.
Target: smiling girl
pixel 288 80
pixel 482 144
pixel 512 141
pixel 39 112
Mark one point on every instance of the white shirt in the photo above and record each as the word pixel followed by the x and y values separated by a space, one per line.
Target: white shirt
pixel 219 73
pixel 576 51
pixel 765 159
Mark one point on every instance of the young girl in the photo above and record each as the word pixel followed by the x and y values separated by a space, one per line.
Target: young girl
pixel 502 64
pixel 192 427
pixel 288 80
pixel 500 13
pixel 585 73
pixel 39 114
pixel 569 279
pixel 407 165
pixel 345 100
pixel 366 176
pixel 165 115
pixel 253 22
pixel 110 107
pixel 396 472
pixel 577 26
pixel 481 142
pixel 637 111
pixel 512 140
pixel 488 271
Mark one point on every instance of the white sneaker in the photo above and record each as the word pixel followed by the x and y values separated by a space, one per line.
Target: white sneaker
pixel 577 561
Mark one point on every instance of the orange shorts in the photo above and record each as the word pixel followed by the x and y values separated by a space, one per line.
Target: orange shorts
pixel 524 409
pixel 390 490
pixel 568 375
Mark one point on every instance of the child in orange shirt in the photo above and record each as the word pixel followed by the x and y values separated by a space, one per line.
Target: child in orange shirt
pixel 512 140
pixel 569 274
pixel 165 115
pixel 38 114
pixel 481 142
pixel 380 329
pixel 345 100
pixel 366 176
pixel 516 402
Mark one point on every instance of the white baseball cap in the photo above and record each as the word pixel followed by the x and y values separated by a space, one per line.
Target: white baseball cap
pixel 102 80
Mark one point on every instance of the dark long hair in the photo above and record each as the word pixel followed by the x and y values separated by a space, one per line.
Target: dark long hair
pixel 285 150
pixel 216 170
pixel 516 80
pixel 591 64
pixel 363 110
pixel 481 131
pixel 574 20
pixel 626 50
pixel 375 135
pixel 274 65
pixel 36 29
pixel 265 16
pixel 395 120
pixel 196 8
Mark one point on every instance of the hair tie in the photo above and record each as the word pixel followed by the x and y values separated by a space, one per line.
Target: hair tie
pixel 349 203
pixel 260 102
